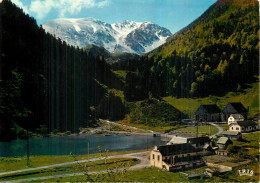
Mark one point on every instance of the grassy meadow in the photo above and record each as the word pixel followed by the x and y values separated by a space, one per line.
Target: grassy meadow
pixel 248 97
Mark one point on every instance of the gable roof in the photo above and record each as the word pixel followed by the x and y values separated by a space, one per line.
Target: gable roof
pixel 200 140
pixel 234 108
pixel 168 150
pixel 222 140
pixel 178 140
pixel 207 109
pixel 237 116
pixel 231 133
pixel 246 123
pixel 191 140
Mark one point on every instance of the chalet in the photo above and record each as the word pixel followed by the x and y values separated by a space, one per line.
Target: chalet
pixel 243 126
pixel 233 108
pixel 223 142
pixel 175 157
pixel 233 118
pixel 197 142
pixel 208 113
pixel 233 135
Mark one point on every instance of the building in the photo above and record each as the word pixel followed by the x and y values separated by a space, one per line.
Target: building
pixel 175 157
pixel 243 126
pixel 197 142
pixel 223 142
pixel 233 135
pixel 233 118
pixel 208 113
pixel 233 108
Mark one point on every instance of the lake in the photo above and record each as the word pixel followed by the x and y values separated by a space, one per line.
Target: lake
pixel 64 145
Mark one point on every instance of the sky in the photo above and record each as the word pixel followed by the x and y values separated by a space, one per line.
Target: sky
pixel 171 14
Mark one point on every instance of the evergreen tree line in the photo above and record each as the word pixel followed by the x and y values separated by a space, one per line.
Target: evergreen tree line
pixel 44 81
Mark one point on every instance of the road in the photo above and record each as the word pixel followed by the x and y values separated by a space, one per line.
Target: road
pixel 220 130
pixel 142 156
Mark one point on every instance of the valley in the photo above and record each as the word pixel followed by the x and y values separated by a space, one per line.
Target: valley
pixel 77 93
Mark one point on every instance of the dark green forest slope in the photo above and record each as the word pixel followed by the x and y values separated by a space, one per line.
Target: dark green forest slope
pixel 111 58
pixel 44 81
pixel 215 54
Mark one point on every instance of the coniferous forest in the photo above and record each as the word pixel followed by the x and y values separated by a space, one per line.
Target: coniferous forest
pixel 44 81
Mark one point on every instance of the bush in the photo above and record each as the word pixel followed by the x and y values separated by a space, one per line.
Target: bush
pixel 43 130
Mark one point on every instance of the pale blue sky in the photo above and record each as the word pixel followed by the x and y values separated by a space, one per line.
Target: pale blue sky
pixel 172 14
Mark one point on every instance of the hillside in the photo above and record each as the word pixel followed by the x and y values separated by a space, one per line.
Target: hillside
pixel 215 54
pixel 110 58
pixel 248 97
pixel 45 82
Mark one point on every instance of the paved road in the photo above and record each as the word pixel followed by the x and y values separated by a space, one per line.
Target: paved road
pixel 220 130
pixel 144 162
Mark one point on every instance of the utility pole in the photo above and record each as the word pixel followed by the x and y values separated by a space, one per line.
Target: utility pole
pixel 197 129
pixel 147 142
pixel 27 145
pixel 88 150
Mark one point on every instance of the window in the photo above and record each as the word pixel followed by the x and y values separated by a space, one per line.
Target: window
pixel 232 128
pixel 188 157
pixel 158 158
pixel 153 156
pixel 237 128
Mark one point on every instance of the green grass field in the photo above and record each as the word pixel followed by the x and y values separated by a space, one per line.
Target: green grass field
pixel 250 145
pixel 248 97
pixel 162 129
pixel 17 163
pixel 143 175
pixel 82 167
pixel 202 130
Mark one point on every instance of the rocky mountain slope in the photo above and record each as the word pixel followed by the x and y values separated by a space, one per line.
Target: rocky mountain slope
pixel 129 36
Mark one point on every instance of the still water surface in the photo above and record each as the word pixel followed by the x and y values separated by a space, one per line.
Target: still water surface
pixel 64 145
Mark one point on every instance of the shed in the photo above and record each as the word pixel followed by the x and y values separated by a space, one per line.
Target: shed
pixel 233 135
pixel 223 142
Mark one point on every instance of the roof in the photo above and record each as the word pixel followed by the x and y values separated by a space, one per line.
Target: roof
pixel 191 140
pixel 222 140
pixel 206 146
pixel 178 140
pixel 237 116
pixel 167 150
pixel 231 133
pixel 207 109
pixel 244 123
pixel 234 107
pixel 196 140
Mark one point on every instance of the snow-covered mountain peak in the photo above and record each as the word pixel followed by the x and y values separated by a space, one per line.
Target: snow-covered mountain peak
pixel 129 36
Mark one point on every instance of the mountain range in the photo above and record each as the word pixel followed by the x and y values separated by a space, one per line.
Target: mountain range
pixel 129 36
